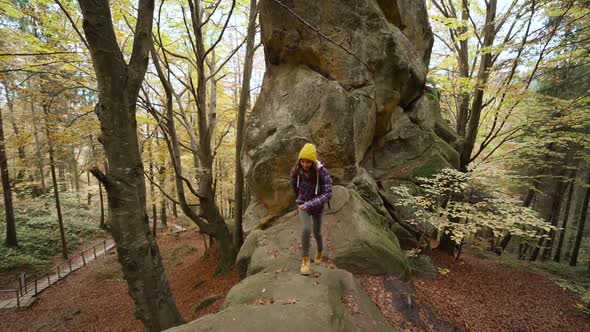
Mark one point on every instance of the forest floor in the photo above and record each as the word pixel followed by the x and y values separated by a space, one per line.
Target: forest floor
pixel 472 294
pixel 95 298
pixel 478 294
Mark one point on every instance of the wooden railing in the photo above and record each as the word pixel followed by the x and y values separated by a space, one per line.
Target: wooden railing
pixel 32 287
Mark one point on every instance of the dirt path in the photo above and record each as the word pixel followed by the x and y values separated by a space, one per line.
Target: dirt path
pixel 96 299
pixel 33 289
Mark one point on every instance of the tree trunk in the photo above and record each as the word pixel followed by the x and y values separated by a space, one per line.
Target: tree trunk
pixel 20 174
pixel 108 210
pixel 163 217
pixel 38 155
pixel 555 213
pixel 463 62
pixel 61 174
pixel 102 222
pixel 11 240
pixel 209 218
pixel 581 222
pixel 64 246
pixel 482 79
pixel 155 219
pixel 243 106
pixel 206 126
pixel 216 177
pixel 524 247
pixel 566 216
pixel 576 211
pixel 63 184
pixel 118 85
pixel 550 203
pixel 75 172
pixel 173 146
pixel 174 210
pixel 152 189
pixel 447 245
pixel 89 195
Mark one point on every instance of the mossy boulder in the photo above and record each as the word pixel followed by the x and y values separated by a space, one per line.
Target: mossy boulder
pixel 356 238
pixel 281 299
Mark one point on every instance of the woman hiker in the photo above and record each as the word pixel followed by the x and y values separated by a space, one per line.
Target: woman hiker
pixel 313 188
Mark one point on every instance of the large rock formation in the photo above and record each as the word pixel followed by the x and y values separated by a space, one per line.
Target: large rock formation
pixel 348 76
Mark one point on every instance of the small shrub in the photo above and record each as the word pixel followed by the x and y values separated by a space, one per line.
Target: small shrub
pixel 176 254
pixel 463 206
pixel 109 271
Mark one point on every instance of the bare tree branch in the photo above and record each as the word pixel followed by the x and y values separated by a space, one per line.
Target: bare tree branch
pixel 231 10
pixel 38 54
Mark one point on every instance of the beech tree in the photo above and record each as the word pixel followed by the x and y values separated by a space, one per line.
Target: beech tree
pixel 189 106
pixel 464 206
pixel 493 55
pixel 242 108
pixel 118 88
pixel 11 239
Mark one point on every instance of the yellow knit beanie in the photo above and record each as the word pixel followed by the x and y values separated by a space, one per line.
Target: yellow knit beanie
pixel 308 152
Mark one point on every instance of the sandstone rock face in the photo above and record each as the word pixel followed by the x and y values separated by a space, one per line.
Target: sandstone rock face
pixel 356 238
pixel 298 105
pixel 349 77
pixel 419 143
pixel 283 300
pixel 411 18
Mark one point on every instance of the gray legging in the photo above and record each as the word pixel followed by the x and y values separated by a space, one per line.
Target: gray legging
pixel 307 219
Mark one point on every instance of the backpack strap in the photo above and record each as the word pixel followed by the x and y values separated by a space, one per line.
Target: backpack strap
pixel 317 182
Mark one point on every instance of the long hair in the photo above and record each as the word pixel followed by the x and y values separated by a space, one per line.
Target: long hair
pixel 313 171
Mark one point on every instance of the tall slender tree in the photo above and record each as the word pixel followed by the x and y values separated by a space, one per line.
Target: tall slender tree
pixel 581 223
pixel 51 150
pixel 566 216
pixel 242 108
pixel 38 153
pixel 200 128
pixel 11 239
pixel 15 129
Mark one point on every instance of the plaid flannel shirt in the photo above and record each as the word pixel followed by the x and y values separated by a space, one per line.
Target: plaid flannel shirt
pixel 305 191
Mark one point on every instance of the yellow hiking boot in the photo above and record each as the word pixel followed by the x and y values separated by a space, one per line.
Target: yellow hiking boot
pixel 305 270
pixel 318 258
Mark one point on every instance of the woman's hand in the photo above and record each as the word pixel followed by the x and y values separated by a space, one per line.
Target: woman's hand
pixel 302 207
